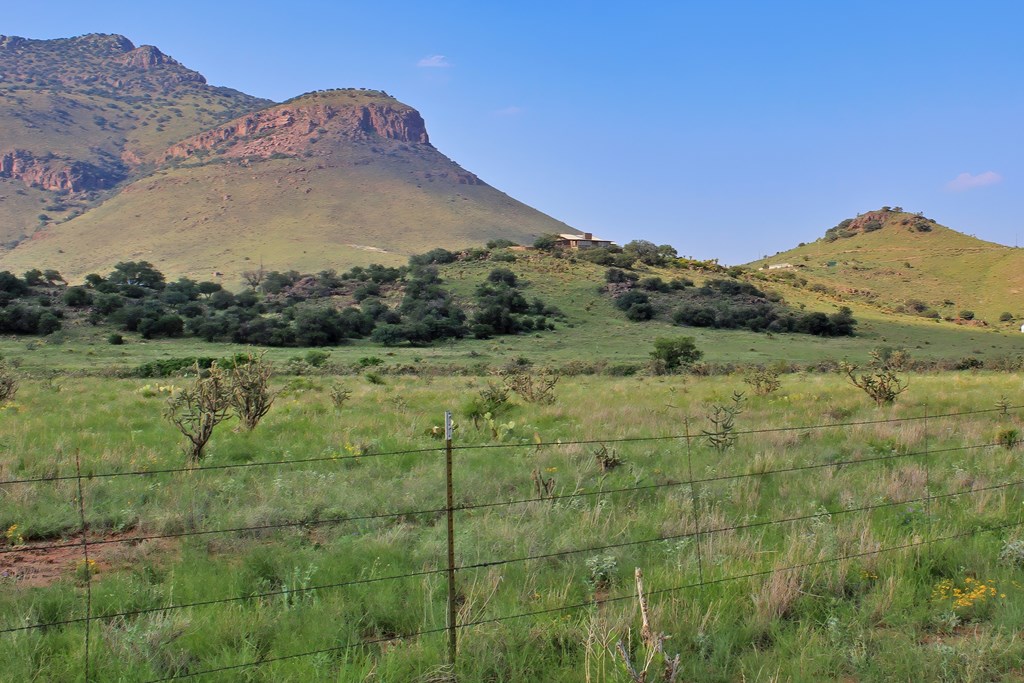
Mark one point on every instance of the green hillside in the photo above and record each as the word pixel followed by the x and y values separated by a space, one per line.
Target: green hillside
pixel 898 262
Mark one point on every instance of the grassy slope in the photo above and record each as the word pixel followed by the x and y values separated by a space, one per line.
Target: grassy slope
pixel 144 129
pixel 895 265
pixel 291 213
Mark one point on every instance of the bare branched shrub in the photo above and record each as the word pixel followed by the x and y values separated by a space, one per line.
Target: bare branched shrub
pixel 763 380
pixel 653 645
pixel 8 382
pixel 251 397
pixel 532 385
pixel 196 409
pixel 340 395
pixel 545 487
pixel 607 460
pixel 490 400
pixel 722 435
pixel 254 278
pixel 881 381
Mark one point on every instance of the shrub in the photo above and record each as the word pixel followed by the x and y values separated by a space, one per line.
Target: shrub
pixel 967 315
pixel 676 352
pixel 489 401
pixel 1008 438
pixel 631 298
pixel 531 385
pixel 881 382
pixel 546 242
pixel 251 397
pixel 601 571
pixel 8 382
pixel 618 275
pixel 764 380
pixel 170 366
pixel 198 408
pixel 77 297
pixel 317 358
pixel 640 312
pixel 115 339
pixel 339 396
pixel 1005 317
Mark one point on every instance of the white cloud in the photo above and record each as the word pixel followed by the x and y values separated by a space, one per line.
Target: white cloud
pixel 966 181
pixel 510 111
pixel 434 62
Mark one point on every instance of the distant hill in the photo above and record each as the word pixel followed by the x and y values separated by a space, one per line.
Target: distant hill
pixel 902 262
pixel 78 116
pixel 110 152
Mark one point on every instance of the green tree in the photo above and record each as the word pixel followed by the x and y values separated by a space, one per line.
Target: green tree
pixel 546 242
pixel 138 273
pixel 676 352
pixel 643 251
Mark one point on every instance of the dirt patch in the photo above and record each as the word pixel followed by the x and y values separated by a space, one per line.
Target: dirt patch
pixel 41 564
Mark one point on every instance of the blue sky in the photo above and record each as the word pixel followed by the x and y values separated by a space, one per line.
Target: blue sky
pixel 727 129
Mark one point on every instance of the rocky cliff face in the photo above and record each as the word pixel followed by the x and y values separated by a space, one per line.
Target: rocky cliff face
pixel 292 128
pixel 57 175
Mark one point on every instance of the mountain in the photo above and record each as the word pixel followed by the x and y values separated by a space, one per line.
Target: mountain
pixel 111 152
pixel 78 116
pixel 907 263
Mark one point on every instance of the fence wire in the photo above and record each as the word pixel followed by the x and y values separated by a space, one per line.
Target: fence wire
pixel 692 482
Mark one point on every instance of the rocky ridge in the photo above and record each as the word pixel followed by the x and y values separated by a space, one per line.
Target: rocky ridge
pixel 98 61
pixel 295 126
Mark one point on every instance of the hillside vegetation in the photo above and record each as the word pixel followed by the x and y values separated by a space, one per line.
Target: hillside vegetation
pixel 905 263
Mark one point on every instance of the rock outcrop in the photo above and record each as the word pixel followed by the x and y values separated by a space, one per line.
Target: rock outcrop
pixel 56 175
pixel 292 128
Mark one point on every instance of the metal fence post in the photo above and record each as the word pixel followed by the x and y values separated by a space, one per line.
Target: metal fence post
pixel 86 564
pixel 452 625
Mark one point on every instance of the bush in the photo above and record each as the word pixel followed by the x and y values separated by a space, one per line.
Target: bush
pixel 631 298
pixel 764 380
pixel 1005 317
pixel 618 275
pixel 198 408
pixel 8 382
pixel 77 297
pixel 115 339
pixel 170 366
pixel 251 397
pixel 881 382
pixel 533 386
pixel 546 242
pixel 676 352
pixel 967 315
pixel 489 401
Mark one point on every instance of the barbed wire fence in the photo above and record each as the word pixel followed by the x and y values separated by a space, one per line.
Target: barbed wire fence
pixel 450 569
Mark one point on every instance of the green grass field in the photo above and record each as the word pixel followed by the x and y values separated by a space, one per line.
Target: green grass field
pixel 354 515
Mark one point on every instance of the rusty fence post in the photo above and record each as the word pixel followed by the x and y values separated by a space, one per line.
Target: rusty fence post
pixel 449 506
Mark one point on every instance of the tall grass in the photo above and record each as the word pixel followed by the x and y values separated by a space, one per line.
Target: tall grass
pixel 798 613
